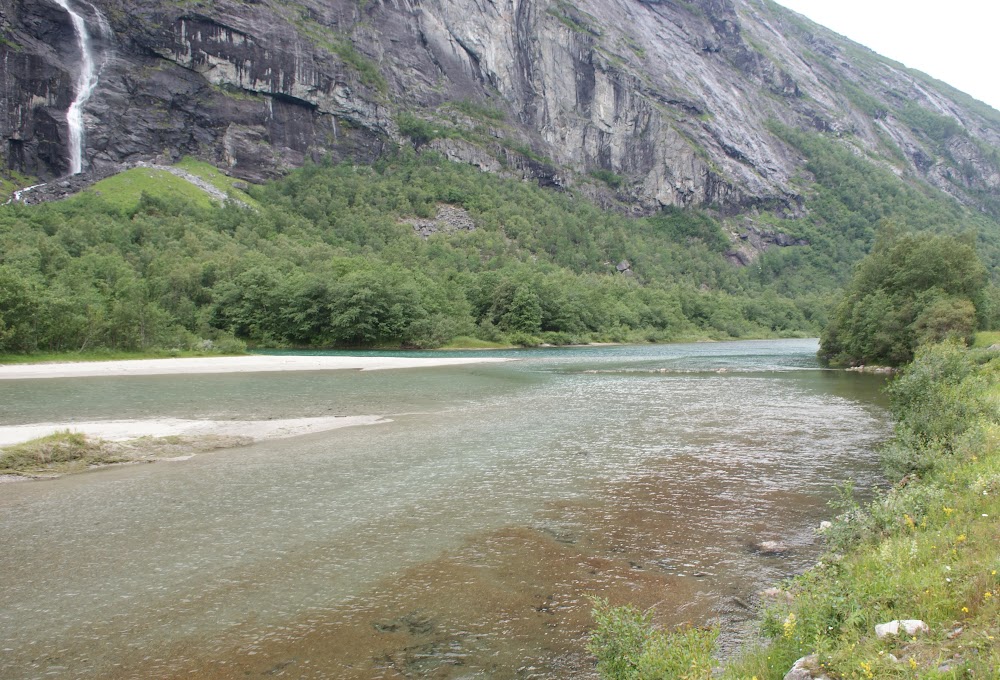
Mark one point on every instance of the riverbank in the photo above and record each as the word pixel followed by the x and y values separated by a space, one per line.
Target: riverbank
pixel 237 364
pixel 924 551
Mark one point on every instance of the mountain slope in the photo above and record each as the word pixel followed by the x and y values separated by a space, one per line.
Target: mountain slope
pixel 645 103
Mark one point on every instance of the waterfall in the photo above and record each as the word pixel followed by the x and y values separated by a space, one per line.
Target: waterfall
pixel 86 82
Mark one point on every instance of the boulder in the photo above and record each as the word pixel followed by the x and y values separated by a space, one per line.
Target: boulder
pixel 807 668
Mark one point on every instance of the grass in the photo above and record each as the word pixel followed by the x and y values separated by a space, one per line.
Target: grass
pixel 986 339
pixel 67 452
pixel 925 549
pixel 478 110
pixel 107 355
pixel 11 181
pixel 940 566
pixel 55 452
pixel 216 178
pixel 467 342
pixel 125 190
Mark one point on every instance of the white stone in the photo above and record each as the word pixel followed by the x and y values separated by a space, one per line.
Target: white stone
pixel 806 669
pixel 909 626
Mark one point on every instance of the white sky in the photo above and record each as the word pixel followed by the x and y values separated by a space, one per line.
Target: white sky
pixel 957 41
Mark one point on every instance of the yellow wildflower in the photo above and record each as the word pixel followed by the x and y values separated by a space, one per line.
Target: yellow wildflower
pixel 789 625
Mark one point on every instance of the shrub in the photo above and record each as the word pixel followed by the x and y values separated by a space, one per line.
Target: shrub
pixel 629 647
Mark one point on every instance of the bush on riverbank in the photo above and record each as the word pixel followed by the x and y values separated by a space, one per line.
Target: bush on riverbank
pixel 911 289
pixel 925 549
pixel 628 647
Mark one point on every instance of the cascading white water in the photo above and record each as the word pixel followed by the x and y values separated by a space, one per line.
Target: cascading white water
pixel 86 82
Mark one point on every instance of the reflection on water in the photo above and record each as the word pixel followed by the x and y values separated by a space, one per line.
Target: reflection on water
pixel 460 540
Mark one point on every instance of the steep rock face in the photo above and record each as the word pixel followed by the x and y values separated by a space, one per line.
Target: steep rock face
pixel 672 100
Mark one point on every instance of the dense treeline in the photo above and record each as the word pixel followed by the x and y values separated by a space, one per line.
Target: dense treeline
pixel 325 259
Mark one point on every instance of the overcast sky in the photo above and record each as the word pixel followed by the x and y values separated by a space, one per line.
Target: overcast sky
pixel 957 41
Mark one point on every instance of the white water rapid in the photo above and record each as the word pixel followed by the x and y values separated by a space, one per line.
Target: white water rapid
pixel 86 81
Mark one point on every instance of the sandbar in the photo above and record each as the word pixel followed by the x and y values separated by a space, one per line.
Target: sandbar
pixel 256 363
pixel 122 430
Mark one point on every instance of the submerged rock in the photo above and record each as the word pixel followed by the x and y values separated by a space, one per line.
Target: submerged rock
pixel 769 548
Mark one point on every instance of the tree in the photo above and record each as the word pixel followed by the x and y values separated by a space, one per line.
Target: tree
pixel 17 305
pixel 910 290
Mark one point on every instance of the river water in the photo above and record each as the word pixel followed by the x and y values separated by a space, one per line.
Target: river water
pixel 462 539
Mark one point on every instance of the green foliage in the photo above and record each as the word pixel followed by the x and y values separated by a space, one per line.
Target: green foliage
pixel 325 260
pixel 864 101
pixel 629 647
pixel 608 177
pixel 911 289
pixel 935 399
pixel 851 197
pixel 481 111
pixel 939 128
pixel 366 68
pixel 125 190
pixel 575 19
pixel 17 308
pixel 419 130
pixel 682 226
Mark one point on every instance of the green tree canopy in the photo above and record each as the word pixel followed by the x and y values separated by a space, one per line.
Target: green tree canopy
pixel 912 288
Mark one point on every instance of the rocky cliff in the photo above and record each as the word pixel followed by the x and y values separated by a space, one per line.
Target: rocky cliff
pixel 646 103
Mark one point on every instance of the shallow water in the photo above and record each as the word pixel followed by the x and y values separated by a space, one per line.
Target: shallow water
pixel 461 540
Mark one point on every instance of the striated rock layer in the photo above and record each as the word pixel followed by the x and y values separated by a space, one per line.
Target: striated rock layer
pixel 649 103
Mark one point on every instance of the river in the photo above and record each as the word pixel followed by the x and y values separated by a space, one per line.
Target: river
pixel 462 539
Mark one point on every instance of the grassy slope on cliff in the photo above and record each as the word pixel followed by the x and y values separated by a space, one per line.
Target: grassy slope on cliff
pixel 925 549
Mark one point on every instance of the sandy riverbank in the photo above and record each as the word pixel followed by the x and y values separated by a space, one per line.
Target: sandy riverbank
pixel 117 442
pixel 121 430
pixel 242 364
pixel 146 439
